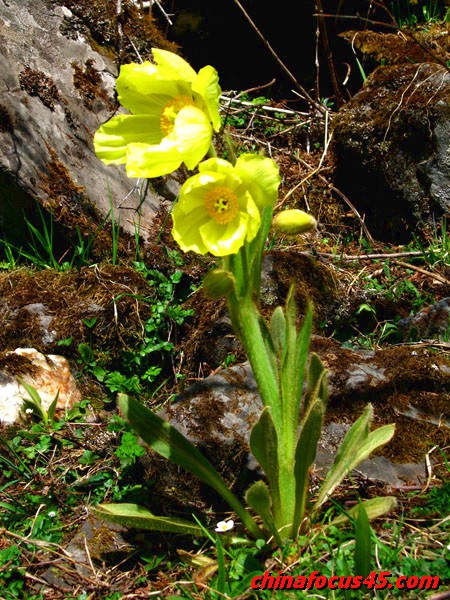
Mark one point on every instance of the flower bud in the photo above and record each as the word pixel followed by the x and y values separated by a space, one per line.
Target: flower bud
pixel 293 222
pixel 218 283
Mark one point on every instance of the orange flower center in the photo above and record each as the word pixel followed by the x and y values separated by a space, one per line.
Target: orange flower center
pixel 222 204
pixel 170 111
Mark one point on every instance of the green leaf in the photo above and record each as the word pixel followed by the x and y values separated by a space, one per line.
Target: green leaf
pixel 34 401
pixel 278 330
pixel 258 497
pixel 289 410
pixel 314 388
pixel 288 358
pixel 269 346
pixel 170 443
pixel 375 507
pixel 304 457
pixel 135 516
pixel 363 542
pixel 301 357
pixel 357 445
pixel 264 447
pixel 221 576
pixel 52 408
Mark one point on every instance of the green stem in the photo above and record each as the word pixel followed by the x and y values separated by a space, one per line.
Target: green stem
pixel 212 152
pixel 257 250
pixel 245 319
pixel 230 147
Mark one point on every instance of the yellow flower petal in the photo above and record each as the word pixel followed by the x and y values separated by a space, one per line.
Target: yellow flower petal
pixel 192 133
pixel 198 183
pixel 182 119
pixel 186 226
pixel 254 221
pixel 216 165
pixel 206 84
pixel 262 177
pixel 223 240
pixel 144 160
pixel 215 212
pixel 112 139
pixel 173 65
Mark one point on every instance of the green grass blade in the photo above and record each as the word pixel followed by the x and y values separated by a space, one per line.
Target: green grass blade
pixel 363 542
pixel 34 401
pixel 52 408
pixel 221 574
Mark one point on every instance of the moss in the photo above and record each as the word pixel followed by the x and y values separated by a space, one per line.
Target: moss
pixel 56 181
pixel 419 46
pixel 314 282
pixel 68 298
pixel 414 396
pixel 88 82
pixel 37 83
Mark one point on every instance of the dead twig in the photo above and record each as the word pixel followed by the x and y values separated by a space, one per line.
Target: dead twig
pixel 375 256
pixel 329 54
pixel 436 276
pixel 255 89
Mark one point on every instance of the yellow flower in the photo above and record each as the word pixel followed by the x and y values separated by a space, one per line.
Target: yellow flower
pixel 217 210
pixel 174 111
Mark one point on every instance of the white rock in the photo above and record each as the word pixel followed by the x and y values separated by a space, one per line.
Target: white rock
pixel 48 374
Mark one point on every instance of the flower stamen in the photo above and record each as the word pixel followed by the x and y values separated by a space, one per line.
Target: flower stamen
pixel 170 111
pixel 221 204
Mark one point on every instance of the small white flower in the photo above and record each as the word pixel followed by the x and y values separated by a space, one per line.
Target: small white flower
pixel 29 411
pixel 51 514
pixel 223 526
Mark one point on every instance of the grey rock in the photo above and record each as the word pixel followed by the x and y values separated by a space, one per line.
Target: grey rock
pixel 431 321
pixel 360 374
pixel 47 122
pixel 44 320
pixel 94 540
pixel 217 413
pixel 391 143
